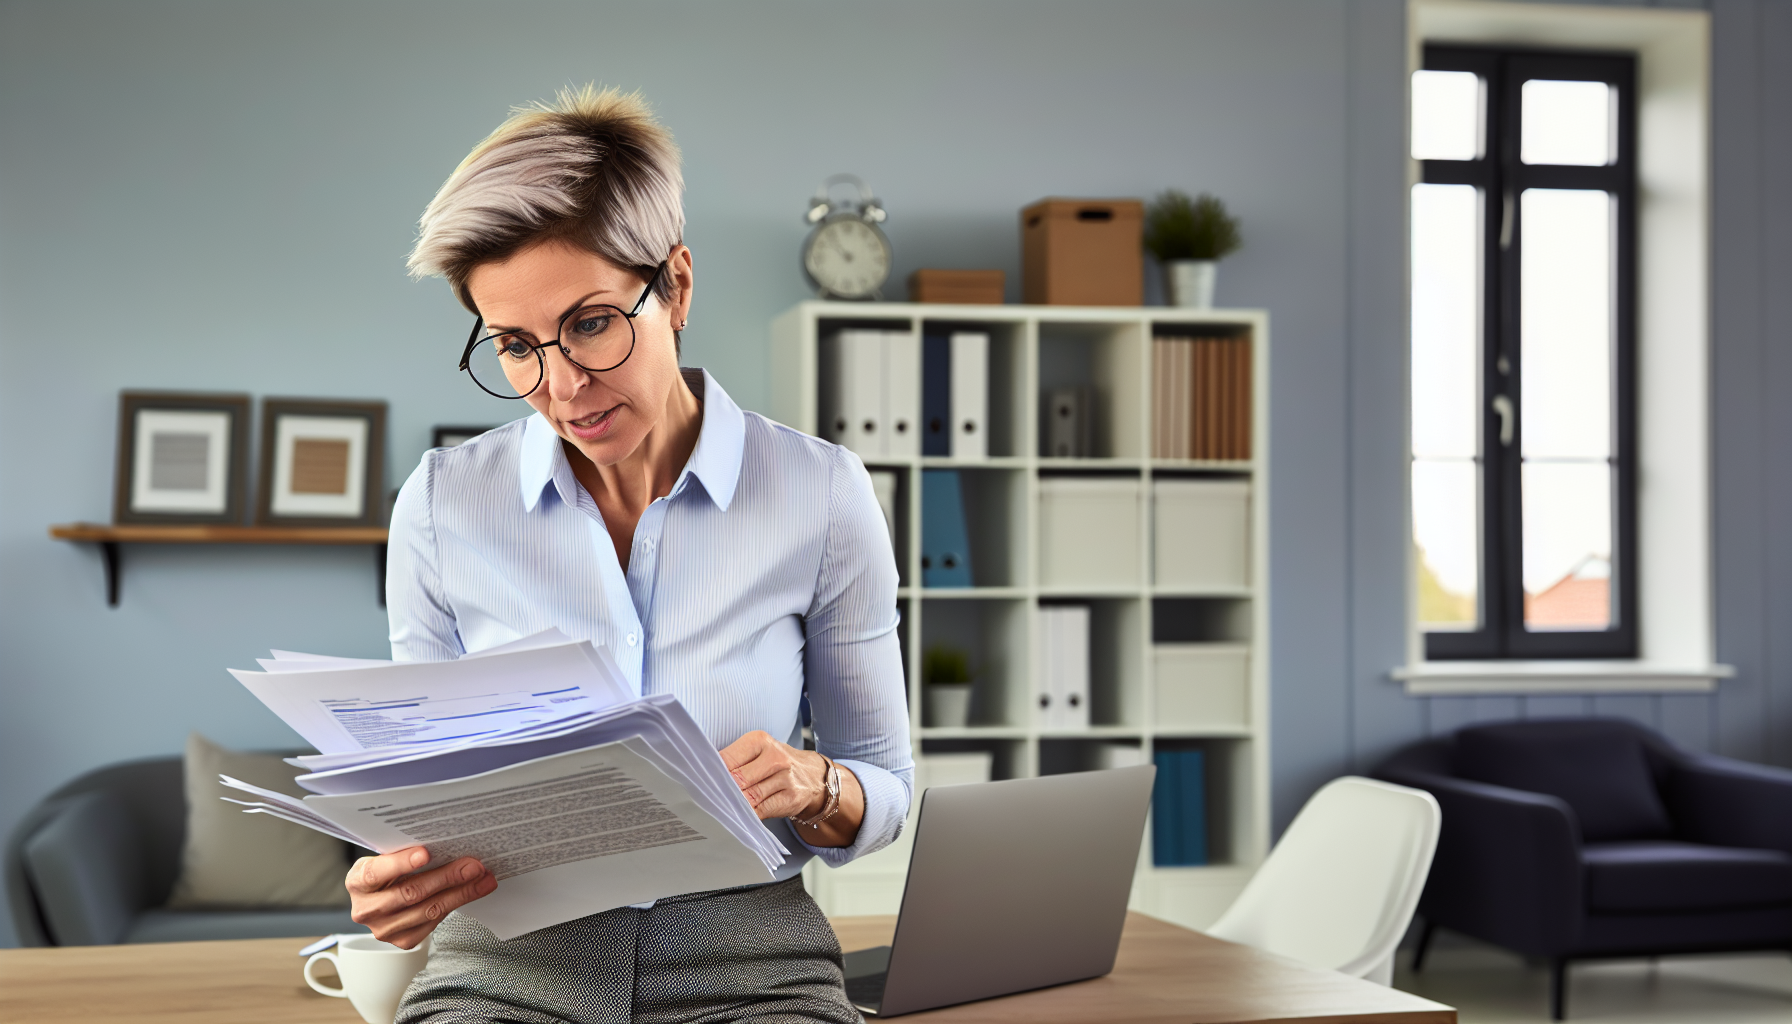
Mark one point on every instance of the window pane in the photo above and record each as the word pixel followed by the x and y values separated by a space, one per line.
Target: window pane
pixel 1566 323
pixel 1446 115
pixel 1567 545
pixel 1567 123
pixel 1447 533
pixel 1446 320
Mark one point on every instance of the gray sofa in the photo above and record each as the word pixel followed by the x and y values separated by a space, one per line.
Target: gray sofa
pixel 93 864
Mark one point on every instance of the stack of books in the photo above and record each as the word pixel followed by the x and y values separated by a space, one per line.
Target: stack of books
pixel 1201 398
pixel 1179 808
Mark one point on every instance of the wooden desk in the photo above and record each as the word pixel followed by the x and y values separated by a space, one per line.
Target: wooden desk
pixel 1170 975
pixel 1164 974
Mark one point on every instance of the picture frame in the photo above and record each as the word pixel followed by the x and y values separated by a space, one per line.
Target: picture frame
pixel 454 436
pixel 183 457
pixel 322 463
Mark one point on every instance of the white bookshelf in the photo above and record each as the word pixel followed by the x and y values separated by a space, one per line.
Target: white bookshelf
pixel 1032 349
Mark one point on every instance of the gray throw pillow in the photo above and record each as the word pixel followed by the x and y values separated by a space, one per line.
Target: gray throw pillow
pixel 251 860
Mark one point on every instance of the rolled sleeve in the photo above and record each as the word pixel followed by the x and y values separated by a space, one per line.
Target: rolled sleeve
pixel 853 662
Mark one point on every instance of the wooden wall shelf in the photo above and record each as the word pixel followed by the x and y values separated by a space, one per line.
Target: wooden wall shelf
pixel 109 538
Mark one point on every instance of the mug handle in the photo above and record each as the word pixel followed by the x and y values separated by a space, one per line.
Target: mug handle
pixel 318 986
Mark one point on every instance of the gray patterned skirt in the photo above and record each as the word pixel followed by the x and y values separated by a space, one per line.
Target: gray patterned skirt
pixel 759 954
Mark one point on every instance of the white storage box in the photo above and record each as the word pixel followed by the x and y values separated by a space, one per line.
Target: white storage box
pixel 1201 533
pixel 1202 686
pixel 1089 532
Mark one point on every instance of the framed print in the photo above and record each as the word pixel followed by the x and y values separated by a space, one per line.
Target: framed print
pixel 183 457
pixel 453 437
pixel 321 463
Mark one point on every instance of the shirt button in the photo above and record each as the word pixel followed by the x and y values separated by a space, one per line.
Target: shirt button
pixel 631 639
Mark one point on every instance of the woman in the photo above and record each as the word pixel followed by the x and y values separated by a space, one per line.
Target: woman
pixel 718 556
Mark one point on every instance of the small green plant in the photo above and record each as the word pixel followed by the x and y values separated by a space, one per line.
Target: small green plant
pixel 1180 228
pixel 945 665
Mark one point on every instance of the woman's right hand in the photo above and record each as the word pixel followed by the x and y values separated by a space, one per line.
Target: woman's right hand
pixel 403 908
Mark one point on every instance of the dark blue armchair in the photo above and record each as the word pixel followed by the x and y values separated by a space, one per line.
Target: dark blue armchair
pixel 1580 839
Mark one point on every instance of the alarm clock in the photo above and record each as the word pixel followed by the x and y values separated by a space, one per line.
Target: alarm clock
pixel 847 255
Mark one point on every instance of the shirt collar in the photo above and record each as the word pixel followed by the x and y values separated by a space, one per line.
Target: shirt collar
pixel 715 462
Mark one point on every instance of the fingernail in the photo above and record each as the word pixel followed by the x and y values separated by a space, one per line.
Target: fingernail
pixel 471 871
pixel 485 887
pixel 419 858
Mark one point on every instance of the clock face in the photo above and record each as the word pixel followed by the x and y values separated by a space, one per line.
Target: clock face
pixel 848 257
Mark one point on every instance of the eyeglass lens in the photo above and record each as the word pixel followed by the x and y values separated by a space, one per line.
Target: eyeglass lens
pixel 596 338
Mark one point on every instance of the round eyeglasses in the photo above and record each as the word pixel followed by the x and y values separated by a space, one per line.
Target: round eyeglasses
pixel 596 338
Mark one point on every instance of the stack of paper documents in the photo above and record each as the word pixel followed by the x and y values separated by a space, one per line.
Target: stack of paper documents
pixel 536 757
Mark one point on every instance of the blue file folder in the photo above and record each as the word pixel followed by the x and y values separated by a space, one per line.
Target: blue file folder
pixel 936 395
pixel 945 543
pixel 1179 809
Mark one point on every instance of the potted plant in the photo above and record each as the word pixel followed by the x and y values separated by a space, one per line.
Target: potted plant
pixel 1189 237
pixel 946 687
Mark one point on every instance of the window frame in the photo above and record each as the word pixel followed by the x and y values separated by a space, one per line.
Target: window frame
pixel 1501 178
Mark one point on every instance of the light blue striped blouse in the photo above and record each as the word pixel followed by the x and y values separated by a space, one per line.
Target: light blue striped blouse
pixel 766 571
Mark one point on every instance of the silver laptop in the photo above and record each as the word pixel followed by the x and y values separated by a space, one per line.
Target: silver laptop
pixel 1012 886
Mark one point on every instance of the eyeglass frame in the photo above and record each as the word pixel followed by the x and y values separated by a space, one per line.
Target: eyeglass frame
pixel 473 339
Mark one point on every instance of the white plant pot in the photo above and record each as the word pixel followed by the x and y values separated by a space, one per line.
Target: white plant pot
pixel 946 705
pixel 1189 283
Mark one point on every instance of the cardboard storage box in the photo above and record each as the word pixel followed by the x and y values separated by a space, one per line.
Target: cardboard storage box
pixel 1201 533
pixel 1202 686
pixel 957 287
pixel 1089 532
pixel 1083 252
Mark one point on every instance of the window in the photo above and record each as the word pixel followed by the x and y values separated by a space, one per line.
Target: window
pixel 1523 333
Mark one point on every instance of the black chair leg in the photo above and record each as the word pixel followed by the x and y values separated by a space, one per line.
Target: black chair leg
pixel 1558 989
pixel 1426 930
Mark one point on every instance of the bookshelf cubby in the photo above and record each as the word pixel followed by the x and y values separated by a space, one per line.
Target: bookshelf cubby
pixel 1212 631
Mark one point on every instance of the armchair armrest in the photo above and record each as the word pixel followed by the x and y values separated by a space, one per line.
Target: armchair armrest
pixel 1508 865
pixel 1725 802
pixel 84 867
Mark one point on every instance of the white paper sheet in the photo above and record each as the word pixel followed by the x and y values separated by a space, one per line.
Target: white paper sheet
pixel 342 709
pixel 537 757
pixel 567 835
pixel 297 661
pixel 671 740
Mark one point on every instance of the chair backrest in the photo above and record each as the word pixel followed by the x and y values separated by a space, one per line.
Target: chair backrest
pixel 1340 888
pixel 151 793
pixel 1600 767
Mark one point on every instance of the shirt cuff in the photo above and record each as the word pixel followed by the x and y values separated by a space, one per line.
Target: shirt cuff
pixel 886 808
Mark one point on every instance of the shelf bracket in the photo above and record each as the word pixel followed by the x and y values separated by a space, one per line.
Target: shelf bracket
pixel 109 552
pixel 379 571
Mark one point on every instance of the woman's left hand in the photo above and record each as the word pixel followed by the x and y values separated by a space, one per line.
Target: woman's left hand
pixel 778 779
pixel 781 781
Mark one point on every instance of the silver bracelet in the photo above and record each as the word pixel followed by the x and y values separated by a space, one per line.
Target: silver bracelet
pixel 828 806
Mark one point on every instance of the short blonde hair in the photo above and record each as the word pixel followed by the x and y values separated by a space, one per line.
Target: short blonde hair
pixel 594 169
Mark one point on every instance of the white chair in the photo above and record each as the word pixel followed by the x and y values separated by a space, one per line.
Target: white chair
pixel 1340 888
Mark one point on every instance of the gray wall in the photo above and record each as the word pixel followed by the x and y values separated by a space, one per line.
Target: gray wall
pixel 219 195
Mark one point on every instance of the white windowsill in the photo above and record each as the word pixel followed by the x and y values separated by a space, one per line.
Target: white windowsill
pixel 1463 678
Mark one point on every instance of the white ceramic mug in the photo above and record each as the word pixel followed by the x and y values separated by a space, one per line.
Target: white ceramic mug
pixel 374 974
